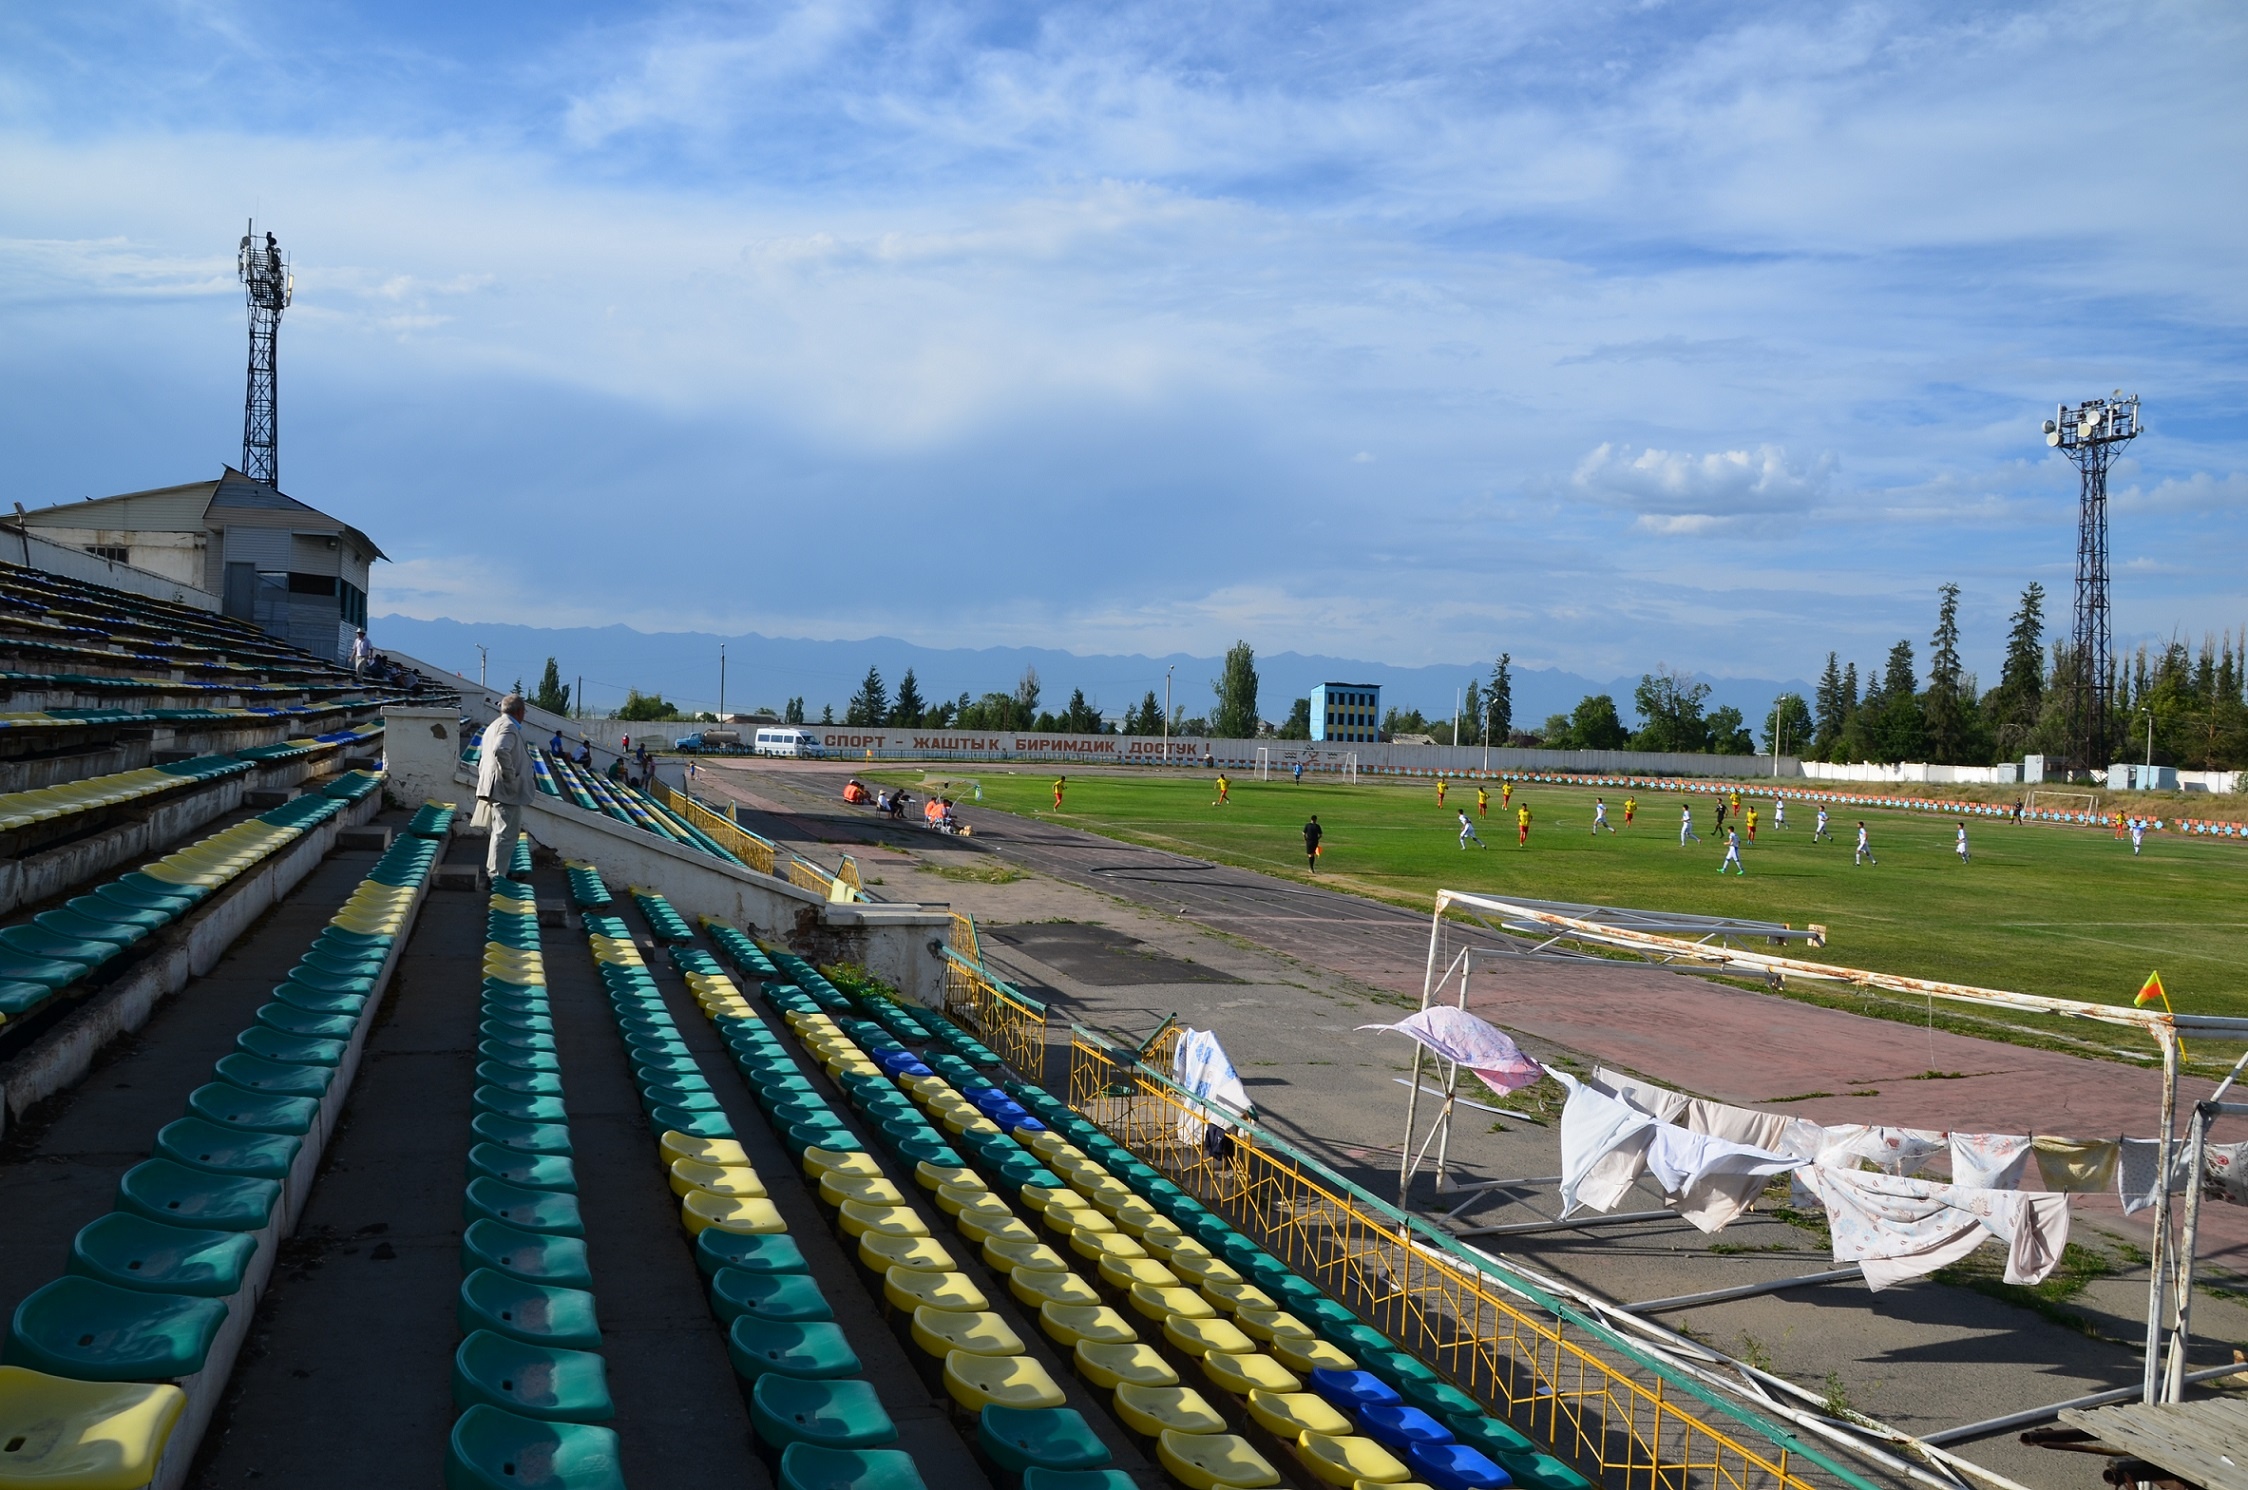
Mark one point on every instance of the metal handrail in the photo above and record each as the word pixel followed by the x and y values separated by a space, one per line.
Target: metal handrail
pixel 756 852
pixel 1012 1024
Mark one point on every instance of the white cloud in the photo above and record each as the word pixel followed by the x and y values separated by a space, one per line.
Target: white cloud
pixel 1678 494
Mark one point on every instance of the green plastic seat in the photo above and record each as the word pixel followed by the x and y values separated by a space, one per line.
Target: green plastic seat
pixel 686 1099
pixel 174 1193
pixel 1020 1438
pixel 336 965
pixel 769 1253
pixel 131 1251
pixel 1496 1437
pixel 38 941
pixel 513 1079
pixel 808 1466
pixel 538 1381
pixel 322 982
pixel 70 923
pixel 232 1107
pixel 1035 1478
pixel 526 1138
pixel 94 1331
pixel 530 1171
pixel 794 1296
pixel 814 1348
pixel 548 1212
pixel 290 1050
pixel 288 1019
pixel 522 1060
pixel 272 1078
pixel 536 1313
pixel 19 999
pixel 558 1260
pixel 499 1024
pixel 206 1145
pixel 499 1034
pixel 1439 1399
pixel 493 1449
pixel 831 1414
pixel 524 1107
pixel 694 1124
pixel 299 997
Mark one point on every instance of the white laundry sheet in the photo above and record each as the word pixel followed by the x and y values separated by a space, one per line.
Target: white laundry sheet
pixel 1606 1144
pixel 1454 1035
pixel 1201 1066
pixel 1898 1228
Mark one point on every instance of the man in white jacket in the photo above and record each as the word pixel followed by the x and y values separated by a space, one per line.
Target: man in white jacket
pixel 503 783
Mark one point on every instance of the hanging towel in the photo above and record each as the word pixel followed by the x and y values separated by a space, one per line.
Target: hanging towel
pixel 1201 1066
pixel 1709 1180
pixel 2135 1165
pixel 1603 1146
pixel 1658 1102
pixel 2076 1166
pixel 1457 1036
pixel 1989 1161
pixel 1900 1151
pixel 2224 1172
pixel 1896 1228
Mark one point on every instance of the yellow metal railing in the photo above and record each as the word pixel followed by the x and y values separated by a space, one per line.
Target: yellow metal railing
pixel 806 875
pixel 1012 1025
pixel 849 875
pixel 737 840
pixel 964 938
pixel 1535 1361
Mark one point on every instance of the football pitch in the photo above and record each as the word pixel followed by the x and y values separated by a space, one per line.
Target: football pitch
pixel 2067 912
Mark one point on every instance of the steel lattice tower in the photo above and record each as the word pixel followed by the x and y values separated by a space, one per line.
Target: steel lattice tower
pixel 2091 435
pixel 268 285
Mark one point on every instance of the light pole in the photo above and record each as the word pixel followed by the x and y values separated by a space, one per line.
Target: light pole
pixel 721 683
pixel 2150 737
pixel 1167 713
pixel 1779 734
pixel 483 665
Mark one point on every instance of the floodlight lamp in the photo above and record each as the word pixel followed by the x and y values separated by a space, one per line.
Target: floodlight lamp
pixel 2050 426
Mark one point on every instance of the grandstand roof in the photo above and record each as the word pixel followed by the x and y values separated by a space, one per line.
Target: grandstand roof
pixel 187 509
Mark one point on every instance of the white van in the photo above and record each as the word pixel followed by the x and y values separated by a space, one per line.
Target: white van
pixel 786 740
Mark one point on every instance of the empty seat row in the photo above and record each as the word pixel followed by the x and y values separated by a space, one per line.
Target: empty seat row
pixel 817 1421
pixel 625 804
pixel 528 1376
pixel 46 803
pixel 57 948
pixel 95 1361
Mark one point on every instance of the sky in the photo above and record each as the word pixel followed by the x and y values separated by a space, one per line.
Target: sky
pixel 1609 335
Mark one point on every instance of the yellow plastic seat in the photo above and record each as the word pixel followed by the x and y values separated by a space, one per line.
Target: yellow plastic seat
pixel 965 1126
pixel 82 1435
pixel 818 1161
pixel 1035 1255
pixel 1300 1354
pixel 737 1180
pixel 1232 1298
pixel 1095 1245
pixel 923 1088
pixel 1158 1303
pixel 985 1227
pixel 1290 1415
pixel 1136 1216
pixel 858 1217
pixel 1121 1273
pixel 932 1176
pixel 1050 1146
pixel 1066 1324
pixel 980 1381
pixel 1155 1411
pixel 880 1253
pixel 956 1202
pixel 1110 1194
pixel 1039 1197
pixel 1348 1459
pixel 941 1332
pixel 909 1289
pixel 699 1210
pixel 1214 1461
pixel 1110 1366
pixel 1202 1269
pixel 866 1189
pixel 1039 1286
pixel 1201 1336
pixel 1241 1374
pixel 1264 1324
pixel 676 1146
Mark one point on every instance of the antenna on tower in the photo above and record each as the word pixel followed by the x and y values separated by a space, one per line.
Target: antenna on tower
pixel 268 285
pixel 2091 435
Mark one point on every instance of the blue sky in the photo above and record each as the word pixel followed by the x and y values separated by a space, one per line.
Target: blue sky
pixel 1607 334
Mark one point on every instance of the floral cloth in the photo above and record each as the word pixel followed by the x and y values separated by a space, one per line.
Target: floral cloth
pixel 1989 1161
pixel 1457 1036
pixel 1896 1228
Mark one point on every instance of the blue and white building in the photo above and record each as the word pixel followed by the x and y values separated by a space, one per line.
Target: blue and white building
pixel 1349 713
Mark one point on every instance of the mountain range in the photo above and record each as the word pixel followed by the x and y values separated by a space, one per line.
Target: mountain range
pixel 766 671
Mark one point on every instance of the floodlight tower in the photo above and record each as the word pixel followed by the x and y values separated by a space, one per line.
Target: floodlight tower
pixel 268 285
pixel 2091 435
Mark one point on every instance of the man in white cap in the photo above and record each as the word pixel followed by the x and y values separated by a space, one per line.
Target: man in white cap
pixel 503 784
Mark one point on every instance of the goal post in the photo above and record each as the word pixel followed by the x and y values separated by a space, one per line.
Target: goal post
pixel 1350 765
pixel 1264 763
pixel 2064 801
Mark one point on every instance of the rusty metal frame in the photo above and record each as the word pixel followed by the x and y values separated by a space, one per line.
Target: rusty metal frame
pixel 1535 1360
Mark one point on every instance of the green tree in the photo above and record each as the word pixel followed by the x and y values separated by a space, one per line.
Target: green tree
pixel 1670 706
pixel 1942 707
pixel 1897 729
pixel 1728 732
pixel 1787 724
pixel 2013 707
pixel 1298 726
pixel 1026 700
pixel 1147 719
pixel 645 706
pixel 794 713
pixel 1834 708
pixel 1235 717
pixel 1471 713
pixel 908 710
pixel 1080 717
pixel 1555 733
pixel 871 704
pixel 552 696
pixel 1403 722
pixel 1595 725
pixel 1498 701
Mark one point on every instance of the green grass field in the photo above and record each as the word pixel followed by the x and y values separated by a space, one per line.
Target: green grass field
pixel 2060 911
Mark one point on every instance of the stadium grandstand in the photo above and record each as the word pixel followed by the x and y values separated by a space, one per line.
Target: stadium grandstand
pixel 675 1156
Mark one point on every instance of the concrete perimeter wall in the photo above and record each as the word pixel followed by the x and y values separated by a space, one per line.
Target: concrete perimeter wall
pixel 34 552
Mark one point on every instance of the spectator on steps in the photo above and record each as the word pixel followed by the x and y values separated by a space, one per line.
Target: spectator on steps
pixel 361 654
pixel 503 785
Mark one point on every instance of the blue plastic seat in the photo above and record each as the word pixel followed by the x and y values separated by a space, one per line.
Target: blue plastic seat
pixel 1353 1391
pixel 1456 1466
pixel 1402 1427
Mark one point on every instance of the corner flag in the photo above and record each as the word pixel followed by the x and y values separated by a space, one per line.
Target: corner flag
pixel 2151 990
